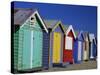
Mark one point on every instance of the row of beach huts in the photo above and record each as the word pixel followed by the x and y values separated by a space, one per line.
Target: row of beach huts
pixel 42 44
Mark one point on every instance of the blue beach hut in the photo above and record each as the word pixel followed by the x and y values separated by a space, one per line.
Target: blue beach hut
pixel 92 44
pixel 78 47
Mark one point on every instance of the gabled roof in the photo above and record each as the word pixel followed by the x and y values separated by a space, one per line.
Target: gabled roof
pixel 91 37
pixel 65 27
pixel 22 16
pixel 77 33
pixel 52 24
pixel 86 36
pixel 80 35
pixel 68 29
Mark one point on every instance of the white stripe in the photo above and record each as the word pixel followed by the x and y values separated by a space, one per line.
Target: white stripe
pixel 31 57
pixel 91 50
pixel 79 50
pixel 41 21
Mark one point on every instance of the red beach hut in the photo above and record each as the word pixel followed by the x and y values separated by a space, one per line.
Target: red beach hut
pixel 68 44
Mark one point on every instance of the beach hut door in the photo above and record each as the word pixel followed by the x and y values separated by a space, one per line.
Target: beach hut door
pixel 79 50
pixel 26 49
pixel 91 54
pixel 56 47
pixel 36 50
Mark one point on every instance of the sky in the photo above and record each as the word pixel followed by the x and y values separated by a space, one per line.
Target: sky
pixel 80 17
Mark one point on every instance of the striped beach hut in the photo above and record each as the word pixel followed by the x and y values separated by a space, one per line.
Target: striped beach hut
pixel 69 45
pixel 86 46
pixel 78 47
pixel 56 33
pixel 92 45
pixel 28 40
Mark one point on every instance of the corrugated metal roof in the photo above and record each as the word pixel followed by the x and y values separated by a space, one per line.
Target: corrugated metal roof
pixel 21 16
pixel 50 23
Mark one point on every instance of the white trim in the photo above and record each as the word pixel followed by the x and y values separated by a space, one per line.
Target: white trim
pixel 41 21
pixel 59 23
pixel 91 37
pixel 36 12
pixel 91 54
pixel 80 34
pixel 68 30
pixel 79 50
pixel 69 43
pixel 31 56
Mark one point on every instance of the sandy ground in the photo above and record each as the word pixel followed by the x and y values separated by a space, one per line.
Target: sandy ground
pixel 84 65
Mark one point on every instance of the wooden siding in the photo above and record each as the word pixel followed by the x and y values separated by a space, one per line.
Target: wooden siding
pixel 30 46
pixel 26 49
pixel 46 44
pixel 18 39
pixel 68 54
pixel 79 51
pixel 86 50
pixel 56 47
pixel 16 35
pixel 37 49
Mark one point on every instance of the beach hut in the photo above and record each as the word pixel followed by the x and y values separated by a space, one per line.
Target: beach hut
pixel 78 47
pixel 69 45
pixel 86 46
pixel 56 33
pixel 95 49
pixel 28 40
pixel 92 44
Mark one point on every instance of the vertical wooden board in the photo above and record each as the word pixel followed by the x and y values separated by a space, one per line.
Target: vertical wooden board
pixel 69 48
pixel 26 49
pixel 79 50
pixel 16 35
pixel 37 44
pixel 86 50
pixel 37 49
pixel 20 49
pixel 91 50
pixel 75 51
pixel 87 45
pixel 83 50
pixel 94 50
pixel 46 53
pixel 40 43
pixel 34 58
pixel 51 50
pixel 56 47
